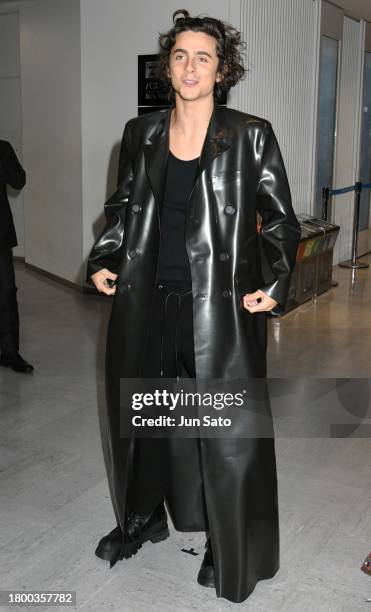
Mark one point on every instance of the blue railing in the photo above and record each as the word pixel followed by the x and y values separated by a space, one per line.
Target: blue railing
pixel 357 188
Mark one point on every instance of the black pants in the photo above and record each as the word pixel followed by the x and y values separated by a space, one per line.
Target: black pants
pixel 9 319
pixel 169 353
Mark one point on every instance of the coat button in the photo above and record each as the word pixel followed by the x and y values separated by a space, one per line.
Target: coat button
pixel 223 256
pixel 229 209
pixel 133 253
pixel 136 208
pixel 226 293
pixel 124 287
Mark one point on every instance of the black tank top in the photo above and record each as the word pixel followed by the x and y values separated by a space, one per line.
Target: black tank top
pixel 173 257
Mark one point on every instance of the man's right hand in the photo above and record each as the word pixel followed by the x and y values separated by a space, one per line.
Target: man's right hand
pixel 100 281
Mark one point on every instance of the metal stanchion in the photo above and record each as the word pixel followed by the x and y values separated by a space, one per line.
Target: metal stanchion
pixel 325 199
pixel 353 263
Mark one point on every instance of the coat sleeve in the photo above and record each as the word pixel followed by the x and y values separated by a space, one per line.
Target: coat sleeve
pixel 280 230
pixel 106 252
pixel 11 170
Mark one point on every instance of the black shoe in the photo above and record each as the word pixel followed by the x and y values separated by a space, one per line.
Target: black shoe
pixel 206 575
pixel 138 529
pixel 16 362
pixel 109 547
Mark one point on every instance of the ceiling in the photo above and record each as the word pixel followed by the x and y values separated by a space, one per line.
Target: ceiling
pixel 14 1
pixel 359 9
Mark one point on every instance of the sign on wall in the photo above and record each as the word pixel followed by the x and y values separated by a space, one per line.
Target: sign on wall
pixel 151 95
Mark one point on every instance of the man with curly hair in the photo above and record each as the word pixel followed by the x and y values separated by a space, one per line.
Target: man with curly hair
pixel 180 253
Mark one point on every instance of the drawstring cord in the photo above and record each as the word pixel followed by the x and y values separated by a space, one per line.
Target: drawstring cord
pixel 179 296
pixel 162 335
pixel 176 332
pixel 175 338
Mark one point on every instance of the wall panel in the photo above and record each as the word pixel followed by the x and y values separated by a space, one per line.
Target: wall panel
pixel 282 58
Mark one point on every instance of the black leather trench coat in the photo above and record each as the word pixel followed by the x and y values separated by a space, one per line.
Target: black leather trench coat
pixel 241 171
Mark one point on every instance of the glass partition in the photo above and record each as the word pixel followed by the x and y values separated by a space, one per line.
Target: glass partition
pixel 326 119
pixel 365 159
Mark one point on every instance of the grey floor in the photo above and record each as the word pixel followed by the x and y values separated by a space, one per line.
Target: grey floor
pixel 54 498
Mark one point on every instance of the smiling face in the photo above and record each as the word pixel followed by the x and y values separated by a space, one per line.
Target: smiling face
pixel 193 65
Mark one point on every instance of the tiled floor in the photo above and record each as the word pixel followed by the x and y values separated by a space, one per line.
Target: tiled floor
pixel 54 498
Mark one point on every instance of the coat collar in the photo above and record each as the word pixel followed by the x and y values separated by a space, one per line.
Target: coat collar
pixel 156 149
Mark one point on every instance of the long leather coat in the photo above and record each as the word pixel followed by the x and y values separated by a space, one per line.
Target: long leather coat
pixel 241 171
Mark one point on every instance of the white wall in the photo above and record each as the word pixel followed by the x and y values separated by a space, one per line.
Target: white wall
pixel 10 106
pixel 79 87
pixel 51 99
pixel 113 34
pixel 348 134
pixel 281 85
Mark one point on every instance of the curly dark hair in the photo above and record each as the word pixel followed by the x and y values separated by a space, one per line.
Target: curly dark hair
pixel 229 48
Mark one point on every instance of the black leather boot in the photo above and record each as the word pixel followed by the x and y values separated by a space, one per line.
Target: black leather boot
pixel 16 362
pixel 206 575
pixel 109 547
pixel 138 529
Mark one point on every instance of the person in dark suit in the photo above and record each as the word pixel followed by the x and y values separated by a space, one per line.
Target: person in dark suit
pixel 12 173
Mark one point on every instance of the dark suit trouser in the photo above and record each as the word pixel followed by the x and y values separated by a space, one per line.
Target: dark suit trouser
pixel 170 349
pixel 9 318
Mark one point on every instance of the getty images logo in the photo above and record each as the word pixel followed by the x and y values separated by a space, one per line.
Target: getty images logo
pixel 182 398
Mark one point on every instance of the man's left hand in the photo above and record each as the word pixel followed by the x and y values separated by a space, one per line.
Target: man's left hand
pixel 251 303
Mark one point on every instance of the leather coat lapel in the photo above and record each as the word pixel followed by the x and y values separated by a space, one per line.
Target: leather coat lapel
pixel 216 139
pixel 156 150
